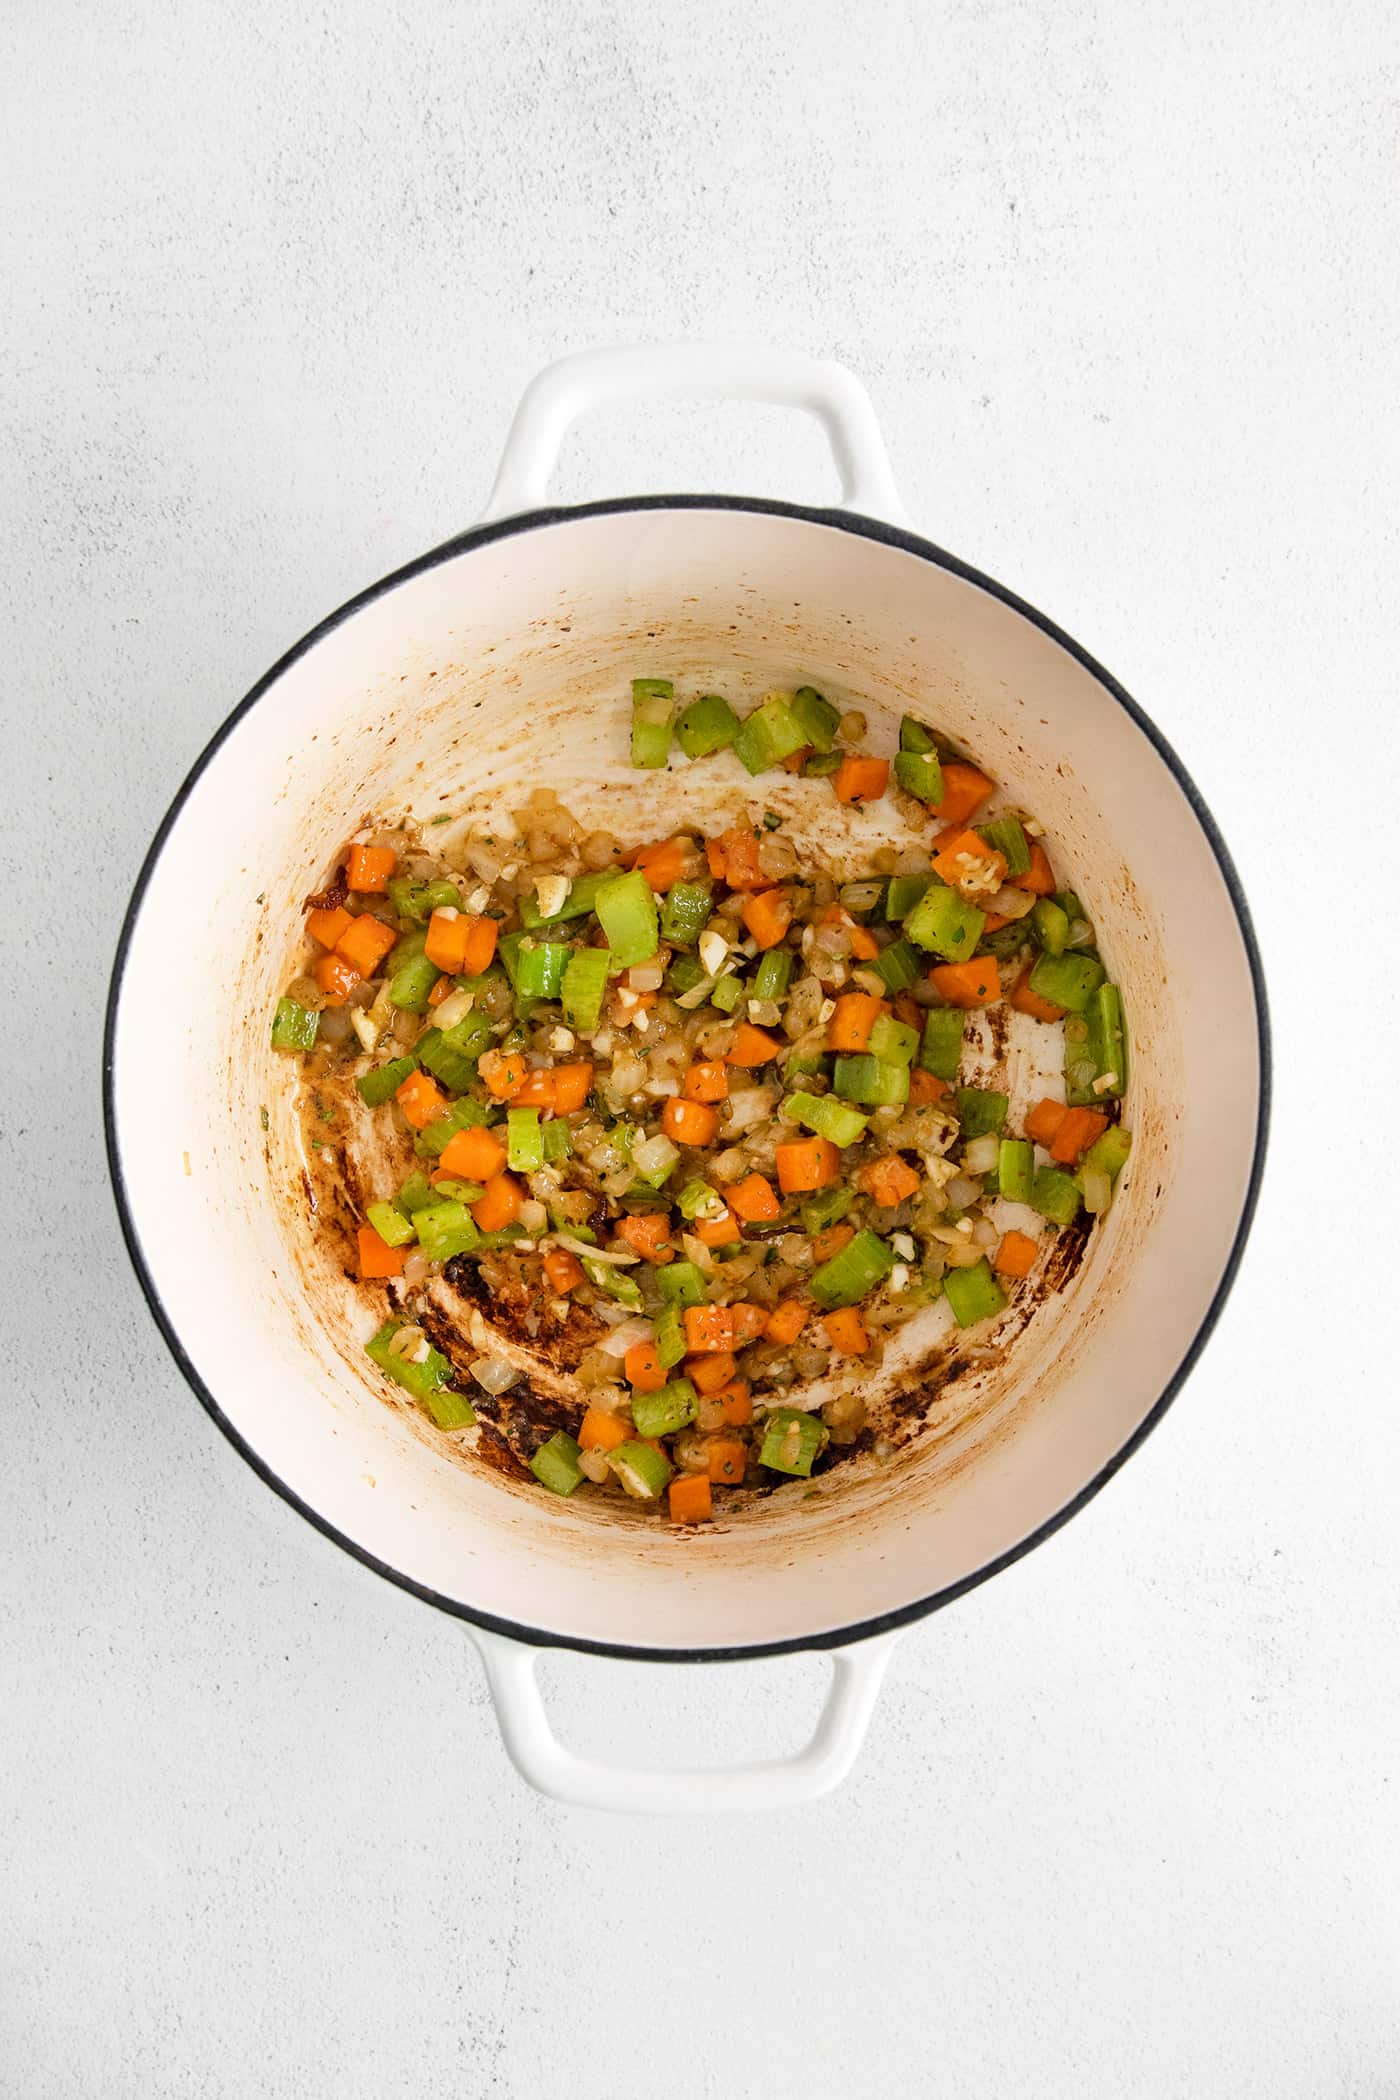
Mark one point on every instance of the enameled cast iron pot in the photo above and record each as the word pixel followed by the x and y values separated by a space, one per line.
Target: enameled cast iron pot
pixel 500 662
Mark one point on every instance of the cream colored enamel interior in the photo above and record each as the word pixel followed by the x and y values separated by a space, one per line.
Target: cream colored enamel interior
pixel 507 667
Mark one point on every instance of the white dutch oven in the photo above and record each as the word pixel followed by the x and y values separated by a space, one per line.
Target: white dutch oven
pixel 499 662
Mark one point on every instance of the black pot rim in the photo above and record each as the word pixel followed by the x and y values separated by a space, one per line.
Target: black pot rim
pixel 864 528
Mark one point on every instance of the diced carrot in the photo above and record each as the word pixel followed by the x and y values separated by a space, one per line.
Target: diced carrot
pixel 807 1163
pixel 786 1321
pixel 717 1232
pixel 1044 1120
pixel 480 949
pixel 834 914
pixel 734 1399
pixel 714 856
pixel 709 1374
pixel 888 1180
pixel 368 868
pixel 365 943
pixel 446 943
pixel 1041 877
pixel 571 1085
pixel 443 989
pixel 925 1087
pixel 1076 1134
pixel 964 790
pixel 689 1122
pixel 908 1010
pixel 752 1046
pixel 336 977
pixel 749 1322
pixel 505 1072
pixel 864 946
pixel 796 760
pixel 1015 1256
pixel 966 846
pixel 741 868
pixel 1026 1001
pixel 689 1499
pixel 600 1431
pixel 754 1200
pixel 768 915
pixel 709 1328
pixel 846 1331
pixel 664 863
pixel 856 1014
pixel 971 983
pixel 564 1271
pixel 859 778
pixel 536 1090
pixel 642 1368
pixel 831 1241
pixel 707 1082
pixel 728 1457
pixel 421 1099
pixel 648 1232
pixel 472 1155
pixel 326 927
pixel 377 1257
pixel 499 1203
pixel 995 920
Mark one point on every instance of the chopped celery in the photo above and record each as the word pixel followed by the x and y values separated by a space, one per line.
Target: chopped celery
pixel 828 1117
pixel 800 1068
pixel 915 735
pixel 684 913
pixel 816 718
pixel 774 972
pixel 823 1210
pixel 506 1237
pixel 651 721
pixel 641 1470
pixel 974 1293
pixel 294 1027
pixel 445 1230
pixel 1054 1195
pixel 685 973
pixel 421 1379
pixel 583 985
pixel 1081 1067
pixel 980 1111
pixel 450 1409
pixel 1109 1154
pixel 1049 925
pixel 1015 1169
pixel 681 1283
pixel 555 1465
pixel 418 900
pixel 661 1414
pixel 1107 1043
pixel 865 1079
pixel 821 763
pixel 556 1141
pixel 406 949
pixel 661 1156
pixel 1006 837
pixel 669 1336
pixel 903 894
pixel 451 1056
pixel 382 1082
pixel 792 1440
pixel 1008 940
pixel 411 983
pixel 416 1194
pixel 626 908
pixel 1067 980
pixel 524 1140
pixel 772 732
pixel 920 774
pixel 944 922
pixel 941 1051
pixel 447 1188
pixel 893 1042
pixel 862 1263
pixel 1070 905
pixel 708 724
pixel 698 1200
pixel 462 1115
pixel 615 1282
pixel 728 993
pixel 540 967
pixel 897 966
pixel 582 897
pixel 390 1223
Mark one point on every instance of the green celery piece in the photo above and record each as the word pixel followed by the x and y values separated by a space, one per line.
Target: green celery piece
pixel 1108 1042
pixel 974 1293
pixel 980 1111
pixel 915 735
pixel 685 973
pixel 941 1050
pixel 1081 1067
pixel 556 1141
pixel 1109 1154
pixel 410 985
pixel 827 1116
pixel 584 983
pixel 541 966
pixel 661 1414
pixel 697 1199
pixel 773 975
pixel 431 1142
pixel 800 1068
pixel 863 898
pixel 582 897
pixel 445 1230
pixel 826 1209
pixel 416 1194
pixel 685 912
pixel 555 1465
pixel 1015 1169
pixel 1049 925
pixel 408 948
pixel 728 993
pixel 920 774
pixel 1067 980
pixel 708 724
pixel 642 1472
pixel 897 966
pixel 866 1079
pixel 524 1140
pixel 657 1178
pixel 1070 905
pixel 903 894
pixel 382 1082
pixel 1006 837
pixel 626 908
pixel 893 1042
pixel 651 721
pixel 862 1263
pixel 448 1189
pixel 450 1409
pixel 1054 1195
pixel 442 1054
pixel 681 1283
pixel 421 1380
pixel 294 1027
pixel 820 764
pixel 815 717
pixel 792 1440
pixel 614 1282
pixel 390 1223
pixel 945 923
pixel 772 732
pixel 1008 940
pixel 419 900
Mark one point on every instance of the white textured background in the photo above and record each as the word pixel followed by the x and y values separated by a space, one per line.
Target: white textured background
pixel 1123 283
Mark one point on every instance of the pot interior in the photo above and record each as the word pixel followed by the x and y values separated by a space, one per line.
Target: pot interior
pixel 503 666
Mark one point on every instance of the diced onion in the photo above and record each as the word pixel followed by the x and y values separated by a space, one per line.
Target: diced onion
pixel 1098 1190
pixel 493 1374
pixel 626 1336
pixel 982 1154
pixel 750 1105
pixel 646 977
pixel 654 1156
pixel 961 1191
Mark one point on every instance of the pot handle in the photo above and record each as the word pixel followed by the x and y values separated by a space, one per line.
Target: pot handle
pixel 562 392
pixel 540 1758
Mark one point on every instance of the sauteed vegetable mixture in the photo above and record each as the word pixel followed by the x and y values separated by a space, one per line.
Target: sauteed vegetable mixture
pixel 709 1095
